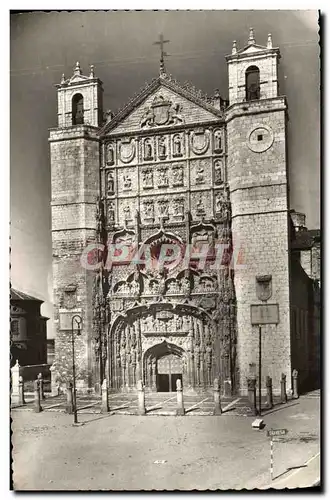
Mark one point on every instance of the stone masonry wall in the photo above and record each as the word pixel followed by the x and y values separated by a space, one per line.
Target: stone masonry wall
pixel 258 186
pixel 75 187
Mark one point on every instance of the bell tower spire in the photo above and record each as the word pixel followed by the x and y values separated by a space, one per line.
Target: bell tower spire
pixel 161 42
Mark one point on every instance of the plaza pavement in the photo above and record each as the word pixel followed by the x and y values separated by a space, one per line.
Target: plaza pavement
pixel 122 452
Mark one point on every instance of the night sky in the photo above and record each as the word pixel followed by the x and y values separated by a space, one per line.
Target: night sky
pixel 120 45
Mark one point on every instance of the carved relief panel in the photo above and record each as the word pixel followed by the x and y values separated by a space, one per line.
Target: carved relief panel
pixel 110 182
pixel 218 141
pixel 126 209
pixel 110 148
pixel 177 174
pixel 201 205
pixel 126 180
pixel 178 145
pixel 147 178
pixel 219 172
pixel 199 142
pixel 126 149
pixel 200 173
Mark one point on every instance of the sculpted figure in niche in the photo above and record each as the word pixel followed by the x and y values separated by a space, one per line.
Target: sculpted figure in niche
pixel 127 212
pixel 111 212
pixel 149 209
pixel 147 178
pixel 147 150
pixel 163 208
pixel 219 200
pixel 110 183
pixel 218 172
pixel 178 176
pixel 217 141
pixel 163 180
pixel 178 323
pixel 127 182
pixel 200 206
pixel 178 207
pixel 200 175
pixel 110 155
pixel 177 146
pixel 162 147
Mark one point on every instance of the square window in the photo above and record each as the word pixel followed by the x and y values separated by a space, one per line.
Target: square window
pixel 259 137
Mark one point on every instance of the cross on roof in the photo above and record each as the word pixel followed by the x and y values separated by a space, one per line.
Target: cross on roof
pixel 161 42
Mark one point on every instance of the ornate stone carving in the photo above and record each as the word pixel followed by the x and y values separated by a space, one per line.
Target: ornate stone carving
pixel 178 208
pixel 177 146
pixel 127 150
pixel 127 213
pixel 110 154
pixel 148 210
pixel 163 208
pixel 200 209
pixel 218 141
pixel 148 150
pixel 218 172
pixel 162 150
pixel 111 212
pixel 200 141
pixel 110 183
pixel 161 112
pixel 147 179
pixel 127 182
pixel 200 174
pixel 162 177
pixel 177 176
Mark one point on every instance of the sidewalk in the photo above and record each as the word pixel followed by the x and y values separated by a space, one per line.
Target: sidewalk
pixel 303 477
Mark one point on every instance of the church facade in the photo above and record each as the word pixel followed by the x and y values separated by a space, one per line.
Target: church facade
pixel 170 220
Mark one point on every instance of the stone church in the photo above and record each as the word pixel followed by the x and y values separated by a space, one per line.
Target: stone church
pixel 175 168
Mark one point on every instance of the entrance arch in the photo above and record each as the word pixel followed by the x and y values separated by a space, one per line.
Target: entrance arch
pixel 164 364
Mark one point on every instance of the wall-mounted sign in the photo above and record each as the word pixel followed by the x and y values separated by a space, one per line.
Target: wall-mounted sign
pixel 264 314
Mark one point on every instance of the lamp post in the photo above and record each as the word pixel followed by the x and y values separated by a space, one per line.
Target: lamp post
pixel 76 319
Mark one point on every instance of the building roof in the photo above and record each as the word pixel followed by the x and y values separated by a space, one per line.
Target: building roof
pixel 17 295
pixel 305 239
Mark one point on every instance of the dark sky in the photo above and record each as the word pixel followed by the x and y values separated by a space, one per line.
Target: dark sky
pixel 119 44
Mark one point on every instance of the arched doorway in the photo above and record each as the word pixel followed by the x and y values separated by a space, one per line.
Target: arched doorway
pixel 163 366
pixel 169 370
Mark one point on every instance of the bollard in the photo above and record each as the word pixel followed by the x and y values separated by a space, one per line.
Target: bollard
pixel 269 387
pixel 216 393
pixel 21 400
pixel 41 386
pixel 141 398
pixel 283 388
pixel 15 381
pixel 252 394
pixel 105 397
pixel 179 398
pixel 69 398
pixel 295 393
pixel 37 405
pixel 53 382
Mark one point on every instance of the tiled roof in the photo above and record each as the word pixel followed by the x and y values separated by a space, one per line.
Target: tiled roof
pixel 16 295
pixel 304 239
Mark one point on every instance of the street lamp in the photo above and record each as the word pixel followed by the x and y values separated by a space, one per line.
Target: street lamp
pixel 76 319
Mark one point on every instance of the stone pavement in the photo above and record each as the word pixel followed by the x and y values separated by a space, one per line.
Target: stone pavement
pixel 122 452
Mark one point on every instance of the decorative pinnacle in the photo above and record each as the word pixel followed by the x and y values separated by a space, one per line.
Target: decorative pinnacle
pixel 63 78
pixel 269 42
pixel 234 49
pixel 77 70
pixel 251 40
pixel 92 75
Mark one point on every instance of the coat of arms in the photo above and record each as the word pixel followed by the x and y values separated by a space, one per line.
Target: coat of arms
pixel 161 112
pixel 200 141
pixel 264 287
pixel 127 150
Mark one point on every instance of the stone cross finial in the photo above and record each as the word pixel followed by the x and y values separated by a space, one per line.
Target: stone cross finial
pixel 234 49
pixel 269 41
pixel 77 70
pixel 161 42
pixel 92 75
pixel 251 40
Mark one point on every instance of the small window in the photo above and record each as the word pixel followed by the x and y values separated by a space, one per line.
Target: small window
pixel 77 110
pixel 260 137
pixel 14 327
pixel 252 83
